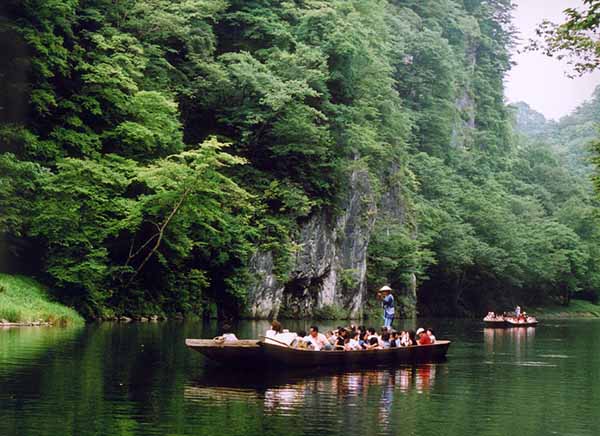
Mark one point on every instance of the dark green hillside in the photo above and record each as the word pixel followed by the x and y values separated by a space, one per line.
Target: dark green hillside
pixel 263 157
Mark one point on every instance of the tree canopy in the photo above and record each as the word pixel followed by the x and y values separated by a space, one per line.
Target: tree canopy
pixel 150 148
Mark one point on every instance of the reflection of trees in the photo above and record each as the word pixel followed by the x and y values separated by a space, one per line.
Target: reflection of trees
pixel 23 345
pixel 91 380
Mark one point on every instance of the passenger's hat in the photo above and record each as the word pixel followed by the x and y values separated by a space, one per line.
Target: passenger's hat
pixel 385 288
pixel 420 330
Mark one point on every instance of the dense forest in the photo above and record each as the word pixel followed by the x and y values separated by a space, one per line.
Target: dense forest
pixel 169 157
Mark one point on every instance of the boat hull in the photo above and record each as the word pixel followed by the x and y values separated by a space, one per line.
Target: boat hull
pixel 495 324
pixel 255 353
pixel 293 357
pixel 520 324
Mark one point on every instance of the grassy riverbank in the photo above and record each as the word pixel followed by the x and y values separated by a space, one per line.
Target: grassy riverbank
pixel 577 309
pixel 22 299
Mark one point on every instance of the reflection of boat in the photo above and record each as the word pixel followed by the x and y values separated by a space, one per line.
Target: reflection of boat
pixel 492 335
pixel 219 384
pixel 254 353
pixel 294 357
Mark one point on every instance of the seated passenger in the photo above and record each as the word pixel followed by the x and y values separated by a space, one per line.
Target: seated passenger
pixel 276 335
pixel 299 342
pixel 385 340
pixel 318 340
pixel 364 340
pixel 332 337
pixel 373 343
pixel 341 339
pixel 412 336
pixel 274 330
pixel 352 344
pixel 431 336
pixel 371 333
pixel 227 336
pixel 394 340
pixel 405 340
pixel 423 338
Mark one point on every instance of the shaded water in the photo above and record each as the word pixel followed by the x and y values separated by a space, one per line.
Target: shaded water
pixel 139 379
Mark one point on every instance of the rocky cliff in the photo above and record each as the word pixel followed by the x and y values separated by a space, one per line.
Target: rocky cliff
pixel 329 268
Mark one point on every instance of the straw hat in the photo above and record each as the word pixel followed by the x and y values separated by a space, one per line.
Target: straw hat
pixel 385 288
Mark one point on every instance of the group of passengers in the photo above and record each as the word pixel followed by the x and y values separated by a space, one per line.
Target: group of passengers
pixel 517 316
pixel 352 338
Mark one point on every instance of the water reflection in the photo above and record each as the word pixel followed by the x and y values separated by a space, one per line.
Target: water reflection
pixel 495 337
pixel 140 380
pixel 292 393
pixel 23 345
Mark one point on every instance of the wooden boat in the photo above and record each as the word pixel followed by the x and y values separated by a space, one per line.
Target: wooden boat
pixel 257 353
pixel 497 322
pixel 510 322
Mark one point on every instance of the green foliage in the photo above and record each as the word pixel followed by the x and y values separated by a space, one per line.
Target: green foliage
pixel 330 312
pixel 575 39
pixel 395 255
pixel 25 300
pixel 348 278
pixel 116 179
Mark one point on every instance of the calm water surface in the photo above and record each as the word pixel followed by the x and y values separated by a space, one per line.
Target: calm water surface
pixel 139 379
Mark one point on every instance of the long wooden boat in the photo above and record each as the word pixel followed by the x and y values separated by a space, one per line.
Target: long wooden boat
pixel 257 353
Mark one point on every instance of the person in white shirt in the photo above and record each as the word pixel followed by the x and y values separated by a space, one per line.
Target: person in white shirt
pixel 227 336
pixel 275 329
pixel 352 342
pixel 318 340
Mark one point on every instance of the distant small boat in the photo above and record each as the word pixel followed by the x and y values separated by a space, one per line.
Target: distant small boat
pixel 497 322
pixel 510 321
pixel 258 353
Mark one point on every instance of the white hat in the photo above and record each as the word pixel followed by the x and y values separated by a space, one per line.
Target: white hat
pixel 420 330
pixel 385 288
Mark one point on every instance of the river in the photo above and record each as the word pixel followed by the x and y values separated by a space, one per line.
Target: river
pixel 140 379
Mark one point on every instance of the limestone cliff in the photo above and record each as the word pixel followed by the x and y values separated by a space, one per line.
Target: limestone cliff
pixel 329 268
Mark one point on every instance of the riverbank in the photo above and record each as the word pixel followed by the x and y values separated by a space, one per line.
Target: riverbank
pixel 577 309
pixel 23 301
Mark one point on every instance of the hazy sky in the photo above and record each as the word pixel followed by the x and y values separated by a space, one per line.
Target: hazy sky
pixel 539 80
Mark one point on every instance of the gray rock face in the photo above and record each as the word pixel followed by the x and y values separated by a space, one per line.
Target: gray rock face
pixel 329 268
pixel 392 211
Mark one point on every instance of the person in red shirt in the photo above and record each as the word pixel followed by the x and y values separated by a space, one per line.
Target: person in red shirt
pixel 422 337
